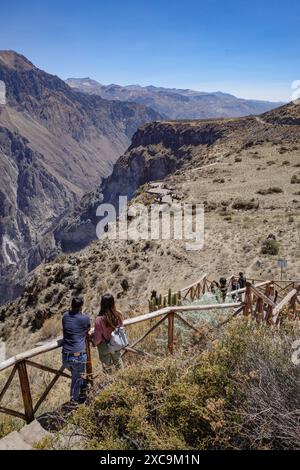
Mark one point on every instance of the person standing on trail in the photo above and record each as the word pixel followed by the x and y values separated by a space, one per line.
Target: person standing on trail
pixel 223 288
pixel 214 287
pixel 235 285
pixel 242 280
pixel 154 296
pixel 76 326
pixel 108 320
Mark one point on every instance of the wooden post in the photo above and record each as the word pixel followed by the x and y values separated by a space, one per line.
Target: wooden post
pixel 193 293
pixel 89 363
pixel 271 294
pixel 293 301
pixel 169 297
pixel 248 299
pixel 171 317
pixel 258 308
pixel 26 393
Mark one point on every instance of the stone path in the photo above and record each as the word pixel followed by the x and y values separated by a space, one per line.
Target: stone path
pixel 25 438
pixel 162 192
pixel 44 426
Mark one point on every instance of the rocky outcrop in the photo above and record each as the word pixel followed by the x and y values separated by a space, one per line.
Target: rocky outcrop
pixel 157 150
pixel 30 199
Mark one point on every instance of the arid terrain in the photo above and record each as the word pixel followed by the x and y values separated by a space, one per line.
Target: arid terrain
pixel 246 173
pixel 249 186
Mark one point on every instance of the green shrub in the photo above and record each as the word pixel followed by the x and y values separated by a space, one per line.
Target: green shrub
pixel 295 179
pixel 270 247
pixel 8 425
pixel 273 190
pixel 245 205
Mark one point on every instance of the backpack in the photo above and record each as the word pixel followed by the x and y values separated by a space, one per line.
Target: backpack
pixel 118 340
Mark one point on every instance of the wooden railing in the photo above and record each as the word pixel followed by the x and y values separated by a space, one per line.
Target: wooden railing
pixel 257 302
pixel 21 362
pixel 262 307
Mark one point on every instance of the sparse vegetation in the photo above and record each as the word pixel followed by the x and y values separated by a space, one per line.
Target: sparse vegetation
pixel 295 179
pixel 270 247
pixel 272 190
pixel 242 393
pixel 9 424
pixel 245 205
pixel 219 180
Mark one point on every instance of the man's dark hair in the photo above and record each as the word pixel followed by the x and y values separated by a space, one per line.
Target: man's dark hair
pixel 77 303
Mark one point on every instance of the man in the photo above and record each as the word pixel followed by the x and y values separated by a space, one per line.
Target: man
pixel 223 288
pixel 242 280
pixel 75 329
pixel 235 285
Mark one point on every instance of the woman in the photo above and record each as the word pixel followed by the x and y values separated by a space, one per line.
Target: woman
pixel 108 320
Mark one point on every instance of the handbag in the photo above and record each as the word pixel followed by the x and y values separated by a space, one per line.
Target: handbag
pixel 118 340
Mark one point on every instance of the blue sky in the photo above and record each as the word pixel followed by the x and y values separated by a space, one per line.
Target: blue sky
pixel 248 48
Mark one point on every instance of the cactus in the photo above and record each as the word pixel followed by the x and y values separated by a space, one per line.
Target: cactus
pixel 165 302
pixel 169 297
pixel 160 300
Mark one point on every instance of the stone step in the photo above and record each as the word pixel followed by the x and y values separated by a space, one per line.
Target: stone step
pixel 33 433
pixel 14 441
pixel 24 439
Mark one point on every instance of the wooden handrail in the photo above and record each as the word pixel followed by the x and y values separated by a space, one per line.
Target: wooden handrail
pixel 243 289
pixel 255 303
pixel 55 344
pixel 284 302
pixel 194 284
pixel 49 346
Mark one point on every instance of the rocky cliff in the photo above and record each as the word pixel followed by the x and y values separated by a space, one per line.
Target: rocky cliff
pixel 55 145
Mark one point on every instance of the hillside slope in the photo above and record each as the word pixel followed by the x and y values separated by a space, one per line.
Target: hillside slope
pixel 245 172
pixel 162 148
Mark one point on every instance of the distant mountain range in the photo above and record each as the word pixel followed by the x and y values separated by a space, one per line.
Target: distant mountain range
pixel 176 103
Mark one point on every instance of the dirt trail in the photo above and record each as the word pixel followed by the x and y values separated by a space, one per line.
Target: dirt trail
pixel 261 121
